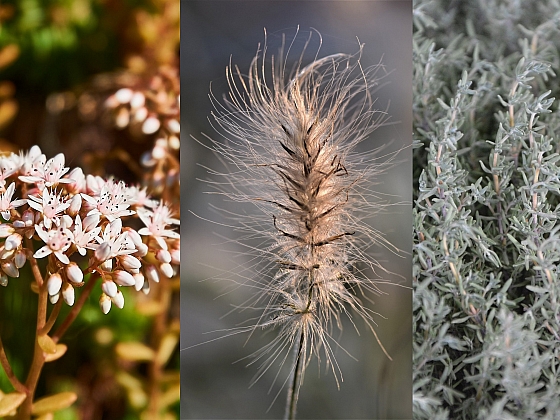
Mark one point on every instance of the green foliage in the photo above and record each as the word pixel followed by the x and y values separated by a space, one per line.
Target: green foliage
pixel 486 234
pixel 62 43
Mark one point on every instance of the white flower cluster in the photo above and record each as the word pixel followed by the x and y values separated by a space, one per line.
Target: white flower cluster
pixel 82 218
pixel 154 109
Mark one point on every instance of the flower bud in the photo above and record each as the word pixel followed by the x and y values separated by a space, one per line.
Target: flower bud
pixel 118 300
pixel 79 180
pixel 10 269
pixel 150 126
pixel 163 255
pixel 54 298
pixel 158 153
pixel 107 265
pixel 166 269
pixel 109 288
pixel 138 281
pixel 151 273
pixel 123 278
pixel 176 256
pixel 20 259
pixel 27 217
pixel 102 252
pixel 75 205
pixel 5 254
pixel 105 303
pixel 130 263
pixel 138 99
pixel 174 126
pixel 66 221
pixel 68 294
pixel 124 95
pixel 111 102
pixel 174 142
pixel 146 288
pixel 123 118
pixel 141 114
pixel 74 273
pixel 90 222
pixel 6 230
pixel 3 280
pixel 134 236
pixel 19 224
pixel 54 284
pixel 94 183
pixel 141 250
pixel 13 241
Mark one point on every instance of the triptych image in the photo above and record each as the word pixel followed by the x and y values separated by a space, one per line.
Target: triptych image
pixel 353 216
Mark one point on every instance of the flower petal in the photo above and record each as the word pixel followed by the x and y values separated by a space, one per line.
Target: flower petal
pixel 42 252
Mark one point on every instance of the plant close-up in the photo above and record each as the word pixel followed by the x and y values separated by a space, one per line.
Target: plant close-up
pixel 300 149
pixel 89 198
pixel 486 236
pixel 292 144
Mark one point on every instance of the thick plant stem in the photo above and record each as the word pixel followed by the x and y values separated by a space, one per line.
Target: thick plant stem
pixel 293 392
pixel 38 356
pixel 42 328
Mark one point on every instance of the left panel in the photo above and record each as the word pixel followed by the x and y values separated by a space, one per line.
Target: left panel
pixel 89 209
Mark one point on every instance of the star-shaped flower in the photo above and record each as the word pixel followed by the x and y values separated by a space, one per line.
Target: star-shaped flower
pixel 156 222
pixel 6 203
pixel 48 174
pixel 112 202
pixel 57 241
pixel 85 233
pixel 49 205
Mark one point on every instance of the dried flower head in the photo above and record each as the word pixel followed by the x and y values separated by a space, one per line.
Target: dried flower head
pixel 291 137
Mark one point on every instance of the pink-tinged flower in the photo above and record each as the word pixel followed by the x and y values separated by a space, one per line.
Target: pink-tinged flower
pixel 86 233
pixel 49 174
pixel 156 222
pixel 94 183
pixel 78 181
pixel 139 197
pixel 8 166
pixel 49 205
pixel 57 241
pixel 32 162
pixel 112 202
pixel 25 160
pixel 118 241
pixel 6 203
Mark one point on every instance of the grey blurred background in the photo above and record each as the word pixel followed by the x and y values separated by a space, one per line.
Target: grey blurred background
pixel 213 386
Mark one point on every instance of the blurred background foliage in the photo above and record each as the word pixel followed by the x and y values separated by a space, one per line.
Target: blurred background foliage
pixel 59 60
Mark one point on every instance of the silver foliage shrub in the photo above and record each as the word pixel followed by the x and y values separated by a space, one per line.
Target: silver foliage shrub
pixel 486 229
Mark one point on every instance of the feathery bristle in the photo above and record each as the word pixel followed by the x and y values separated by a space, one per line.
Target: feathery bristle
pixel 292 143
